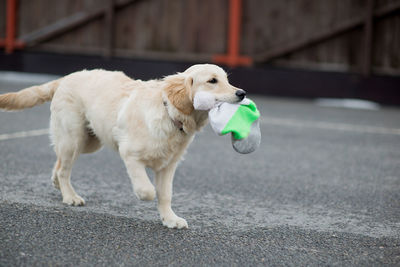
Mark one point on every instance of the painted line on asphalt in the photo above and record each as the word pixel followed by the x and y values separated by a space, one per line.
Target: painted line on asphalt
pixel 264 121
pixel 24 134
pixel 329 126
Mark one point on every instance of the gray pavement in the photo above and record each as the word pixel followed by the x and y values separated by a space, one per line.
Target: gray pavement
pixel 323 189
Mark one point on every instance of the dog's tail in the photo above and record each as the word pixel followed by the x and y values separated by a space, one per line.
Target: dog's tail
pixel 29 97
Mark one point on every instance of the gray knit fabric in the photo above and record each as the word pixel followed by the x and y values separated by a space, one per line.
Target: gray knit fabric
pixel 251 142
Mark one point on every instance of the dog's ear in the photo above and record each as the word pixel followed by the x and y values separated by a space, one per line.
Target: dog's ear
pixel 178 89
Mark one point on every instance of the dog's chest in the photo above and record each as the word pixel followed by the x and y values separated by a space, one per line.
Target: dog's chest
pixel 158 153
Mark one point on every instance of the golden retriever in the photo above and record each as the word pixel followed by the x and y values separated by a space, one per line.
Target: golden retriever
pixel 150 124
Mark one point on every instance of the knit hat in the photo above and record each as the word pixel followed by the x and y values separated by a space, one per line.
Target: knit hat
pixel 240 119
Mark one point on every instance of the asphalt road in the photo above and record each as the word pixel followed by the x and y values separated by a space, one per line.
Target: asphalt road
pixel 323 189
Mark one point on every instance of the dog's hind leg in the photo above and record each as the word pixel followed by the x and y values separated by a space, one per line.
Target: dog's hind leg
pixel 54 177
pixel 91 145
pixel 66 159
pixel 68 134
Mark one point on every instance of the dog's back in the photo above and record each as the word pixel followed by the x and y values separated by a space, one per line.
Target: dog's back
pixel 90 83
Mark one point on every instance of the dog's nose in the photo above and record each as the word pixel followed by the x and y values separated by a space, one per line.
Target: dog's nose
pixel 240 94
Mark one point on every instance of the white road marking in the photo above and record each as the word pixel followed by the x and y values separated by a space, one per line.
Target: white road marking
pixel 29 78
pixel 329 126
pixel 23 134
pixel 265 121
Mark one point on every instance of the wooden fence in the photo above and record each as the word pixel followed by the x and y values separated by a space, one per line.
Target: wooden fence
pixel 346 35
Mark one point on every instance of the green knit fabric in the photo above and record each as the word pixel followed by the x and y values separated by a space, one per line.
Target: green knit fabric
pixel 240 123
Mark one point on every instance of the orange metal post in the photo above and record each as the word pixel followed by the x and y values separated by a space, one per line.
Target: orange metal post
pixel 234 29
pixel 10 25
pixel 233 58
pixel 9 42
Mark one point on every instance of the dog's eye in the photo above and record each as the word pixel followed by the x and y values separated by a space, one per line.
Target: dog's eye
pixel 213 80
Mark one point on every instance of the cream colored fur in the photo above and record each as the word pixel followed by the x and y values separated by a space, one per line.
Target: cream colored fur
pixel 136 118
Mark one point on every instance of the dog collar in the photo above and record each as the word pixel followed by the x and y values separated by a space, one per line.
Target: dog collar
pixel 178 124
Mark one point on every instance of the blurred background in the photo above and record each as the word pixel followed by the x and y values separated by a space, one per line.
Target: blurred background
pixel 323 189
pixel 295 48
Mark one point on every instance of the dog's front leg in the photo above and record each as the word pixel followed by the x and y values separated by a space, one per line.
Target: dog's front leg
pixel 164 179
pixel 142 186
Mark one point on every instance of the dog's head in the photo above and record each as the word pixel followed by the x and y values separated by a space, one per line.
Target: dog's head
pixel 182 87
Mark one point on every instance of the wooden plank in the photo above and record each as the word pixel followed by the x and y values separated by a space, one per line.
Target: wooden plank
pixel 190 29
pixel 302 43
pixel 67 24
pixel 322 36
pixel 127 53
pixel 61 26
pixel 2 18
pixel 387 9
pixel 368 31
pixel 386 54
pixel 109 30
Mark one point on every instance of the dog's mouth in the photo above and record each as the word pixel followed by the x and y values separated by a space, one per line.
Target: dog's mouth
pixel 231 99
pixel 239 99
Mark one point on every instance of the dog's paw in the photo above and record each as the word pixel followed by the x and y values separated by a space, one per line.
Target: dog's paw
pixel 74 200
pixel 145 193
pixel 175 222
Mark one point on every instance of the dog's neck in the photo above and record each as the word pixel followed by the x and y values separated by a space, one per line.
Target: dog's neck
pixel 187 124
pixel 178 124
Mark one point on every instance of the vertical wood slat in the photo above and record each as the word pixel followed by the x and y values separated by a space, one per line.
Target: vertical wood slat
pixel 109 30
pixel 368 38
